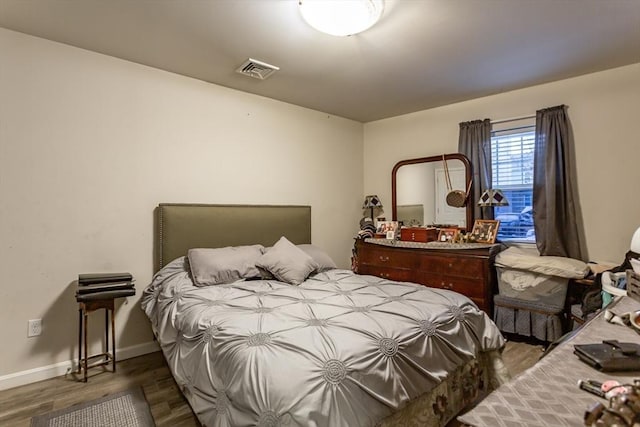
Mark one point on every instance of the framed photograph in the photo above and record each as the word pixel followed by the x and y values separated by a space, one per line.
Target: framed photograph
pixel 485 230
pixel 447 234
pixel 389 229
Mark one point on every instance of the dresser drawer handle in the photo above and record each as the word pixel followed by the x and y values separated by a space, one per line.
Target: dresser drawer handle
pixel 446 286
pixel 384 258
pixel 450 265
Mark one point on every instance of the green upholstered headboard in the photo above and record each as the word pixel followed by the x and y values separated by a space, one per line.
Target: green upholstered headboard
pixel 180 227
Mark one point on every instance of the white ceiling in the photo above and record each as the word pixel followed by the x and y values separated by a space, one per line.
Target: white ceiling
pixel 422 54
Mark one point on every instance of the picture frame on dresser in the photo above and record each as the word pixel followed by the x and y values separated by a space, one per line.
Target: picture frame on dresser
pixel 448 234
pixel 389 229
pixel 485 230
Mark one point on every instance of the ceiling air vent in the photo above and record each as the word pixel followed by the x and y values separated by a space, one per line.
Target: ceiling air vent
pixel 257 69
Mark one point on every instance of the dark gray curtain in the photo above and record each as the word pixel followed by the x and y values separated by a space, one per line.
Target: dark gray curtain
pixel 475 143
pixel 555 203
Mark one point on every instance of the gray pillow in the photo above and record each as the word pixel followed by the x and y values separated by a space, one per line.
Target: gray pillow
pixel 223 265
pixel 321 258
pixel 287 262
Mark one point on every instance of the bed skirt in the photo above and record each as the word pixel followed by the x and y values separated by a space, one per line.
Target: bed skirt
pixel 465 387
pixel 527 318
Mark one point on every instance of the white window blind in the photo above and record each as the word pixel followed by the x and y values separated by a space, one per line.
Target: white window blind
pixel 512 172
pixel 512 158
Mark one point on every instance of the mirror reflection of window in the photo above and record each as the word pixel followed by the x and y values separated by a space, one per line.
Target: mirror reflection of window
pixel 411 215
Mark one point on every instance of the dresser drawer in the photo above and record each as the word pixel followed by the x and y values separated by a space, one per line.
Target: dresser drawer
pixel 461 267
pixel 384 257
pixel 467 287
pixel 416 234
pixel 468 272
pixel 397 274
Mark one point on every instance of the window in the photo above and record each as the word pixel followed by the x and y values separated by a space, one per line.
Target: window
pixel 512 172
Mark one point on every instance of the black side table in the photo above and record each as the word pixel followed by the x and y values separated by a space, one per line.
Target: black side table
pixel 86 307
pixel 92 302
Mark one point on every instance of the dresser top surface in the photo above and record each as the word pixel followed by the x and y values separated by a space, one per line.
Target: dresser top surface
pixel 436 246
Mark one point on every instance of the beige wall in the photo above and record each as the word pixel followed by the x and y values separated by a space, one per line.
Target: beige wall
pixel 604 109
pixel 90 144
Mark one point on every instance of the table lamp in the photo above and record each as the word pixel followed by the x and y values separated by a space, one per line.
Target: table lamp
pixel 370 202
pixel 492 197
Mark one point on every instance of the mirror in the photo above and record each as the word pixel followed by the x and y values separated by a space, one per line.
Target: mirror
pixel 419 189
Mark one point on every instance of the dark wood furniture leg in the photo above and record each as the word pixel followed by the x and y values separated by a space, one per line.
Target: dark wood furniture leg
pixel 85 326
pixel 83 358
pixel 113 336
pixel 79 370
pixel 106 331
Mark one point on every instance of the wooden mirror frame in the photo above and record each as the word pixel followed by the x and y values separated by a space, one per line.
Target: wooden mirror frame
pixel 453 156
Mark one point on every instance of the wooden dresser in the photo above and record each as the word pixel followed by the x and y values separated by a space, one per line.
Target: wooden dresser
pixel 466 271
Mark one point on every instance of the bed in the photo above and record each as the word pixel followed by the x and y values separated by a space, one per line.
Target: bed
pixel 332 349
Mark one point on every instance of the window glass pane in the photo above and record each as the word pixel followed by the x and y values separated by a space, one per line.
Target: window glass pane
pixel 512 167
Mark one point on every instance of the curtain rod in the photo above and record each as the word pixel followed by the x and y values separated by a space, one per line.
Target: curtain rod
pixel 513 119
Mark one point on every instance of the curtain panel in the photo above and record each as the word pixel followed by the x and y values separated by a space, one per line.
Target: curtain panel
pixel 554 196
pixel 475 143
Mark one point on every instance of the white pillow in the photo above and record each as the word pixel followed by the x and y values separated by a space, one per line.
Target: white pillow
pixel 211 266
pixel 287 262
pixel 530 260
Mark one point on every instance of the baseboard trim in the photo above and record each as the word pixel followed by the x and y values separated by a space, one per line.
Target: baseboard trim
pixel 51 371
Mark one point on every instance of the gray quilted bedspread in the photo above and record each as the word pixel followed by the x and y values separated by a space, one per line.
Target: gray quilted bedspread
pixel 339 350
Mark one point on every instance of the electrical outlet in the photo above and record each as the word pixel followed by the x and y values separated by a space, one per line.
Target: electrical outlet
pixel 35 328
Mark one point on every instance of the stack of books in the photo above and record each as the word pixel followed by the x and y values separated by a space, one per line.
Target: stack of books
pixel 97 286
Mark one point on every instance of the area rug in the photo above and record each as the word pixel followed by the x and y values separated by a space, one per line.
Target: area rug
pixel 127 408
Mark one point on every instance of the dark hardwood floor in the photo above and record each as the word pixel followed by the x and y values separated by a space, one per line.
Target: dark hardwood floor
pixel 168 406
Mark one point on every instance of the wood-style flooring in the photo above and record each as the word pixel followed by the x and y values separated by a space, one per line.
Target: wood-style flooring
pixel 168 406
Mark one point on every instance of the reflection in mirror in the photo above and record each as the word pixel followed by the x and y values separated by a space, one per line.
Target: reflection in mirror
pixel 419 190
pixel 411 215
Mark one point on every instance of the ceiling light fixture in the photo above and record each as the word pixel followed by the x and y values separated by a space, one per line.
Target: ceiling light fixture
pixel 341 17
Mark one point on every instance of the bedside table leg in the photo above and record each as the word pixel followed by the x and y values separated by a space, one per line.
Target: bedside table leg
pixel 106 333
pixel 85 326
pixel 113 337
pixel 79 370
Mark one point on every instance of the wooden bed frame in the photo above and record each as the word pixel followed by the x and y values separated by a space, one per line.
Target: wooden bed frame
pixel 180 227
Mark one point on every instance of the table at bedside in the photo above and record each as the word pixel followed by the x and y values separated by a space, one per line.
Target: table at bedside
pixel 86 304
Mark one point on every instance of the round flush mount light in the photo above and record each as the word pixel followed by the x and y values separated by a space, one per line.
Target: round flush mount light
pixel 341 17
